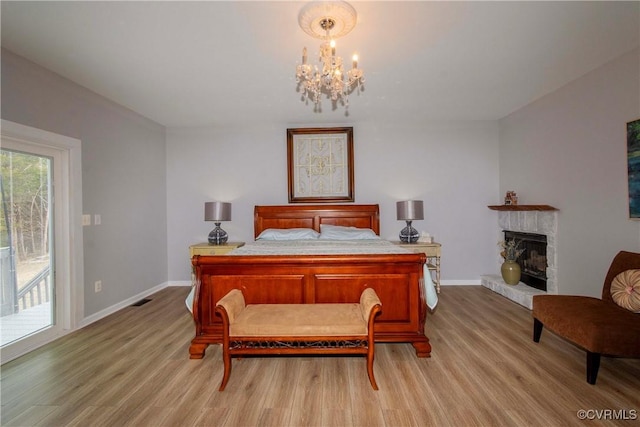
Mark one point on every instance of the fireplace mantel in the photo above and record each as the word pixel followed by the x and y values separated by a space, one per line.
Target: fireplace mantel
pixel 515 208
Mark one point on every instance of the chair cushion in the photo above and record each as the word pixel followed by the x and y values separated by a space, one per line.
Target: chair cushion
pixel 593 324
pixel 625 290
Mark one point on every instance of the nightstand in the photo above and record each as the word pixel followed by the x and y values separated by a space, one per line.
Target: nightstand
pixel 209 249
pixel 206 248
pixel 432 251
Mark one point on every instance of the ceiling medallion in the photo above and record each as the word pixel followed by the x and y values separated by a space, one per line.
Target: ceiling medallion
pixel 328 20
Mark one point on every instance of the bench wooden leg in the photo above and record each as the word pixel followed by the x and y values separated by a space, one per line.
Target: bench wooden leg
pixel 226 353
pixel 226 358
pixel 227 369
pixel 372 379
pixel 370 355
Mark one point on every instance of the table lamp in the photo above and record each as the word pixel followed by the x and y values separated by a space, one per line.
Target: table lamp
pixel 409 210
pixel 217 212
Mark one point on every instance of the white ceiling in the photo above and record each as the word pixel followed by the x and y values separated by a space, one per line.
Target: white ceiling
pixel 225 63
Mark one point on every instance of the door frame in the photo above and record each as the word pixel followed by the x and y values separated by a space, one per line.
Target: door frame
pixel 67 220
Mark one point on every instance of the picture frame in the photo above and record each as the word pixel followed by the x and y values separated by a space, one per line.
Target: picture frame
pixel 633 168
pixel 320 165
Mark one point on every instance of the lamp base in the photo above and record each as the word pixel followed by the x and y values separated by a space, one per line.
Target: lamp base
pixel 218 236
pixel 409 234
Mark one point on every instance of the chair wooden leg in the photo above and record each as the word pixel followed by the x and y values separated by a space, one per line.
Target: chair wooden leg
pixel 537 330
pixel 593 364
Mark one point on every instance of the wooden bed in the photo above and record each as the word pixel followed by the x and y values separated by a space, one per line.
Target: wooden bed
pixel 306 279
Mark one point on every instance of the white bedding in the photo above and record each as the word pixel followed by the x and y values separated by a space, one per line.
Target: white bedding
pixel 318 247
pixel 328 247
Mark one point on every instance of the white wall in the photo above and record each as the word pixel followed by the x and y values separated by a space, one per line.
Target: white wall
pixel 123 177
pixel 453 167
pixel 151 202
pixel 568 150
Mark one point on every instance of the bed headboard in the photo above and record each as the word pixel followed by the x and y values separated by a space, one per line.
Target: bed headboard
pixel 311 216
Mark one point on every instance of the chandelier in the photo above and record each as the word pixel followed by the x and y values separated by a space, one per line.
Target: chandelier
pixel 328 21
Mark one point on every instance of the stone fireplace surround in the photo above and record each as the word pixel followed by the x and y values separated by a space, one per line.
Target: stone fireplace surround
pixel 539 219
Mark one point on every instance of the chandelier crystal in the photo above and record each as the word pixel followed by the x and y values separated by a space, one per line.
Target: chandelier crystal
pixel 319 19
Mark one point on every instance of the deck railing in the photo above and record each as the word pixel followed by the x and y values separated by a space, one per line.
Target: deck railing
pixel 37 291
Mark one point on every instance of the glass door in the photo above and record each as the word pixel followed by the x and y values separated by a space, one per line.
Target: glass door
pixel 28 288
pixel 42 276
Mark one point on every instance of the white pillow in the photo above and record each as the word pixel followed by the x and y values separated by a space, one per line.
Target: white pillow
pixel 338 232
pixel 288 234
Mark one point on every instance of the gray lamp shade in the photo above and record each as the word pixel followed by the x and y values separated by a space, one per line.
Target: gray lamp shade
pixel 409 210
pixel 217 211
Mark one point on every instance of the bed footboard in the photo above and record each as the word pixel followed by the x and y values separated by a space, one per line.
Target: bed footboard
pixel 396 279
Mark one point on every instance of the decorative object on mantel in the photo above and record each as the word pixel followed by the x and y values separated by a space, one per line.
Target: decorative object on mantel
pixel 217 212
pixel 522 208
pixel 510 269
pixel 328 20
pixel 511 198
pixel 409 210
pixel 633 167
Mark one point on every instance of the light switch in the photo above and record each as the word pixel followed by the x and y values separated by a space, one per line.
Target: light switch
pixel 86 219
pixel 97 219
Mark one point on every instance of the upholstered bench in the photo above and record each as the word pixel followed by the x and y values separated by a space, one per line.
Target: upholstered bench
pixel 273 329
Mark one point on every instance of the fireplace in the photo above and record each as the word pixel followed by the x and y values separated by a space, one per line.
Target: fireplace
pixel 533 261
pixel 533 219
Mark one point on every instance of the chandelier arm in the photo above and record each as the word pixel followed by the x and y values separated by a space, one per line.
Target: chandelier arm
pixel 319 19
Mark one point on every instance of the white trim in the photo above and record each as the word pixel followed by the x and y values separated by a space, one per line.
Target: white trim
pixel 460 282
pixel 180 283
pixel 122 304
pixel 69 263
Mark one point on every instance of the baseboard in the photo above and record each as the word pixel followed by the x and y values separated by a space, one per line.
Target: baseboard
pixel 460 282
pixel 179 283
pixel 122 304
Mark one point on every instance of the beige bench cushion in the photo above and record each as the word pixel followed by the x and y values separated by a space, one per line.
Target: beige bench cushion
pixel 368 300
pixel 293 320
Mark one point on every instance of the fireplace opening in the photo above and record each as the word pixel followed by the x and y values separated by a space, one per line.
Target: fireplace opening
pixel 533 261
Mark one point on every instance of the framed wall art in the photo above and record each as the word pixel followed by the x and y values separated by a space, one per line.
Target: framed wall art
pixel 633 167
pixel 320 165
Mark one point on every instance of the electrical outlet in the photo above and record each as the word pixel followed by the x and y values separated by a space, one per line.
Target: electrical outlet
pixel 98 286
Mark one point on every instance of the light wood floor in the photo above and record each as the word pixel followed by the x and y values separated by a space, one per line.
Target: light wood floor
pixel 133 368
